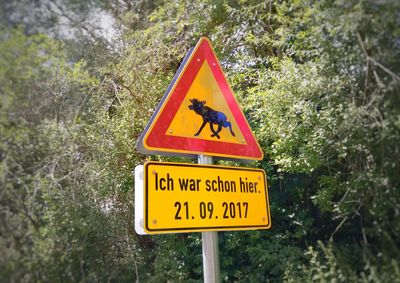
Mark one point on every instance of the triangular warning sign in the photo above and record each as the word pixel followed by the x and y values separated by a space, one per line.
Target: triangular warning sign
pixel 199 113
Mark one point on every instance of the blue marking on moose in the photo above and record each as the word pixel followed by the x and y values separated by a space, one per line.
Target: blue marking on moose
pixel 210 116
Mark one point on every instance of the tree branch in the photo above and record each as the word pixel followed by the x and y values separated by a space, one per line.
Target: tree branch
pixel 376 63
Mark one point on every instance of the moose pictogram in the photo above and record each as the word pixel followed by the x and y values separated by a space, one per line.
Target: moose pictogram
pixel 210 116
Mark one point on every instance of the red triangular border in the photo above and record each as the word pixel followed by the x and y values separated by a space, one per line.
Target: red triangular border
pixel 155 138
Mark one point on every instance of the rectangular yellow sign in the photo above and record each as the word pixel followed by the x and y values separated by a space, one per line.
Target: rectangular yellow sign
pixel 182 197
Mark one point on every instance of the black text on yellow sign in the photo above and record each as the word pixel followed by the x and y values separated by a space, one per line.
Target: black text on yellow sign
pixel 182 197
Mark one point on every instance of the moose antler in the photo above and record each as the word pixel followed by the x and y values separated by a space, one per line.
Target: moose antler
pixel 195 101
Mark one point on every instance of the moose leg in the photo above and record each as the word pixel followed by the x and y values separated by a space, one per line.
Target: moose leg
pixel 229 125
pixel 201 128
pixel 215 133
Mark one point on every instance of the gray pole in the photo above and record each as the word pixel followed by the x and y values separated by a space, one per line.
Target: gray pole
pixel 210 244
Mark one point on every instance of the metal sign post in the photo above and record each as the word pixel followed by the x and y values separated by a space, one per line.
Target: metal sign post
pixel 211 273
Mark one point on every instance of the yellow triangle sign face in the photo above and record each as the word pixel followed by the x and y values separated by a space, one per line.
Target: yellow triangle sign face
pixel 205 88
pixel 199 114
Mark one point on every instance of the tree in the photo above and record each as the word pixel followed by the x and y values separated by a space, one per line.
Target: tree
pixel 318 82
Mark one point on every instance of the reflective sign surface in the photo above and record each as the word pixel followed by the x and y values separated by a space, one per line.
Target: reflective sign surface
pixel 182 197
pixel 199 114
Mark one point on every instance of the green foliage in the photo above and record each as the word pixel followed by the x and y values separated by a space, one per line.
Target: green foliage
pixel 318 82
pixel 327 265
pixel 51 212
